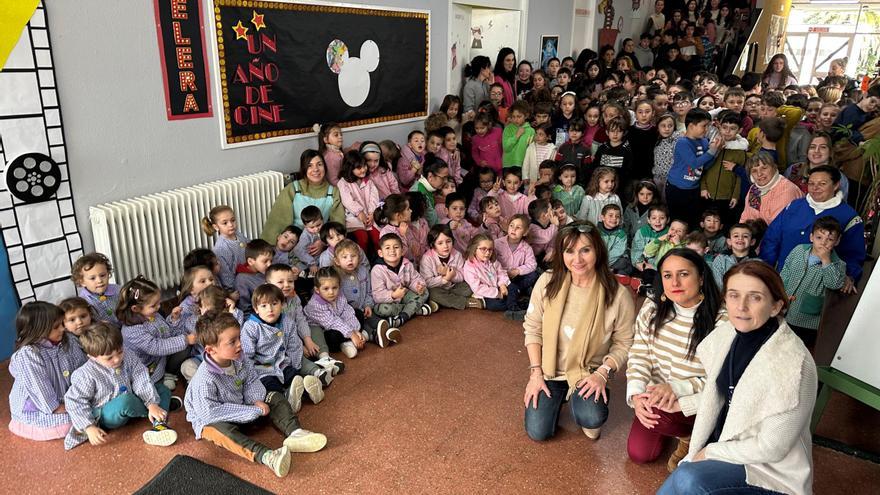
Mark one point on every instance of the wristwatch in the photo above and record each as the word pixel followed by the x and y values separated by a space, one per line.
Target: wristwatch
pixel 607 369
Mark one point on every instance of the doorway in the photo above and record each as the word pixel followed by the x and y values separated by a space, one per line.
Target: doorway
pixel 8 305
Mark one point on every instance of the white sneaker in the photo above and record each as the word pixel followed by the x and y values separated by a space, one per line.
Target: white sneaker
pixel 314 388
pixel 170 381
pixel 349 349
pixel 332 366
pixel 305 441
pixel 365 335
pixel 295 393
pixel 160 435
pixel 278 460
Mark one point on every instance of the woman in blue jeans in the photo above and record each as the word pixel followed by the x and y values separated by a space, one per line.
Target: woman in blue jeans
pixel 752 430
pixel 578 330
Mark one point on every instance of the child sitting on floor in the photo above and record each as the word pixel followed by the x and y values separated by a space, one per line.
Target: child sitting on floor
pixel 488 280
pixel 308 249
pixel 40 367
pixel 91 273
pixel 284 244
pixel 517 257
pixel 601 191
pixel 398 290
pixel 512 201
pixel 211 299
pixel 77 316
pixel 487 179
pixel 558 209
pixel 332 234
pixel 615 239
pixel 355 286
pixel 711 226
pixel 567 191
pixel 657 226
pixel 226 393
pixel 462 230
pixel 229 244
pixel 493 223
pixel 109 389
pixel 542 229
pixel 656 248
pixel 441 268
pixel 258 256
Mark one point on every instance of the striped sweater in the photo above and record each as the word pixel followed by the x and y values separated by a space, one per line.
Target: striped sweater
pixel 661 357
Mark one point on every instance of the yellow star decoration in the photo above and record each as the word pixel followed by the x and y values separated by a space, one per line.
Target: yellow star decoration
pixel 257 20
pixel 240 31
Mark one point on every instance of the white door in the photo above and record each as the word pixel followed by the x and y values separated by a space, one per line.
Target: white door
pixel 459 46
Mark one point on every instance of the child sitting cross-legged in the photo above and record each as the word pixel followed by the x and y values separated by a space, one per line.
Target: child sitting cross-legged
pixel 355 286
pixel 271 343
pixel 212 298
pixel 226 393
pixel 809 270
pixel 332 233
pixel 399 290
pixel 258 256
pixel 441 268
pixel 740 241
pixel 109 389
pixel 312 336
pixel 517 257
pixel 489 281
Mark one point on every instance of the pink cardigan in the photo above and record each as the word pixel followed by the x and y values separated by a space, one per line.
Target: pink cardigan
pixel 541 238
pixel 385 182
pixel 385 281
pixel 333 160
pixel 463 234
pixel 484 278
pixel 358 197
pixel 772 203
pixel 430 264
pixel 493 228
pixel 521 258
pixel 512 205
pixel 488 149
pixel 418 241
pixel 508 91
pixel 404 167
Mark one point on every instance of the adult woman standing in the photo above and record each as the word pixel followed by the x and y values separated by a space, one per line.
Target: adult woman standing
pixel 505 75
pixel 794 224
pixel 663 369
pixel 769 192
pixel 752 431
pixel 311 189
pixel 819 152
pixel 777 75
pixel 476 87
pixel 578 328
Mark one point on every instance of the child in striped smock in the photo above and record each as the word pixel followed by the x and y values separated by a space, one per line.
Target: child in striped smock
pixel 511 200
pixel 517 257
pixel 488 280
pixel 313 221
pixel 77 316
pixel 332 234
pixel 226 393
pixel 441 268
pixel 542 230
pixel 212 298
pixel 394 216
pixel 91 273
pixel 258 256
pixel 109 389
pixel 360 197
pixel 158 344
pixel 284 244
pixel 229 244
pixel 492 222
pixel 270 341
pixel 398 289
pixel 601 191
pixel 41 368
pixel 195 280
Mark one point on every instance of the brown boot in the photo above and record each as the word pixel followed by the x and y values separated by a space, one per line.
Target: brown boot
pixel 681 450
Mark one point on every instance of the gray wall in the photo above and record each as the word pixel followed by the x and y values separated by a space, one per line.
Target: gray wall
pixel 119 142
pixel 548 17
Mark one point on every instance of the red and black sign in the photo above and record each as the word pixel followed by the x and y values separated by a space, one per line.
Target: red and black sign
pixel 182 50
pixel 285 66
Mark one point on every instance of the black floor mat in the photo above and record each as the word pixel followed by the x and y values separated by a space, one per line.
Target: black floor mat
pixel 185 474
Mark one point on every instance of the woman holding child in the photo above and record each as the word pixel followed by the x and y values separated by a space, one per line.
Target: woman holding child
pixel 663 371
pixel 752 429
pixel 578 327
pixel 312 189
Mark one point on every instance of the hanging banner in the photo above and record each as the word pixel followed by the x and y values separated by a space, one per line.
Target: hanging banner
pixel 284 66
pixel 182 51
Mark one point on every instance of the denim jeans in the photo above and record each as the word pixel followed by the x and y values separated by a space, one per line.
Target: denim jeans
pixel 705 477
pixel 541 422
pixel 116 413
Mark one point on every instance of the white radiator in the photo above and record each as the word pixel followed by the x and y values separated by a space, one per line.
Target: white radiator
pixel 151 234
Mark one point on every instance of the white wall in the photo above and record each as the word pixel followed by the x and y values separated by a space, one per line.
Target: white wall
pixel 120 143
pixel 550 18
pixel 504 31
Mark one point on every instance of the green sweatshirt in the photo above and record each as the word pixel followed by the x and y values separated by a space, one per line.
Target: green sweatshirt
pixel 643 236
pixel 515 147
pixel 616 242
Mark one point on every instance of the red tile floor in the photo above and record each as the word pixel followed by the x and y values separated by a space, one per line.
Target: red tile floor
pixel 440 413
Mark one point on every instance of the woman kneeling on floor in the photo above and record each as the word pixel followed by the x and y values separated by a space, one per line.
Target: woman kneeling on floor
pixel 578 327
pixel 752 432
pixel 663 369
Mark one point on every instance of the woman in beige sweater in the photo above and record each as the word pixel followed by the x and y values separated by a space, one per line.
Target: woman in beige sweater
pixel 752 432
pixel 578 328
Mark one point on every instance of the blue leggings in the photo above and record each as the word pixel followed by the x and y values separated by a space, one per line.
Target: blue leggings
pixel 710 476
pixel 118 411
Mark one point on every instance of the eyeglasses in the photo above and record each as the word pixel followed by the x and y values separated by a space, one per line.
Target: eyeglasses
pixel 583 228
pixel 485 249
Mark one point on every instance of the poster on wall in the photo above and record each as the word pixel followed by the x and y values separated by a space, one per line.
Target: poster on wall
pixel 549 49
pixel 774 37
pixel 181 36
pixel 284 66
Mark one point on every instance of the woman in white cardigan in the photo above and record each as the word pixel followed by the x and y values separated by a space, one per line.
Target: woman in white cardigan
pixel 752 431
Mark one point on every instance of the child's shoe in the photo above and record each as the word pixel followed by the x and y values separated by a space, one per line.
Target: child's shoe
pixel 305 441
pixel 428 308
pixel 176 404
pixel 314 388
pixel 160 435
pixel 349 349
pixel 476 303
pixel 395 321
pixel 170 381
pixel 295 393
pixel 333 366
pixel 518 315
pixel 387 335
pixel 278 460
pixel 434 306
pixel 325 376
pixel 624 280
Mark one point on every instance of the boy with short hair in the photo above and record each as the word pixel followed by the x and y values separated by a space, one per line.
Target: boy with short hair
pixel 696 241
pixel 720 186
pixel 399 290
pixel 735 100
pixel 313 220
pixel 258 255
pixel 517 135
pixel 770 132
pixel 616 241
pixel 809 270
pixel 615 153
pixel 672 239
pixel 542 113
pixel 712 226
pixel 740 241
pixel 109 389
pixel 563 77
pixel 355 286
pixel 855 116
pixel 692 153
pixel 272 344
pixel 226 393
pixel 285 242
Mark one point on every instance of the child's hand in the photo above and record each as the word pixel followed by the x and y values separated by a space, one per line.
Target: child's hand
pixel 641 266
pixel 230 305
pixel 728 165
pixel 663 237
pixel 705 194
pixel 357 339
pixel 316 247
pixel 191 339
pixel 294 270
pixel 363 218
pixel 156 413
pixel 532 188
pixel 513 272
pixel 264 408
pixel 420 288
pixel 415 165
pixel 450 274
pixel 497 185
pixel 548 255
pixel 313 270
pixel 60 409
pixel 505 223
pixel 398 293
pixel 96 435
pixel 442 270
pixel 310 348
pixel 403 228
pixel 732 203
pixel 716 143
pixel 502 290
pixel 234 295
pixel 454 224
pixel 368 311
pixel 554 220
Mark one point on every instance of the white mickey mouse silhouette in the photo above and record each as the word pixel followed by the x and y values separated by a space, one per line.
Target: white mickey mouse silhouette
pixel 354 72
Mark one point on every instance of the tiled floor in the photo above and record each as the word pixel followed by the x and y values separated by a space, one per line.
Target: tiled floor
pixel 440 413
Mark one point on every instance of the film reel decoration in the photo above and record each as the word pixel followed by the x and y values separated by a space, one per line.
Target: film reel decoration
pixel 33 177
